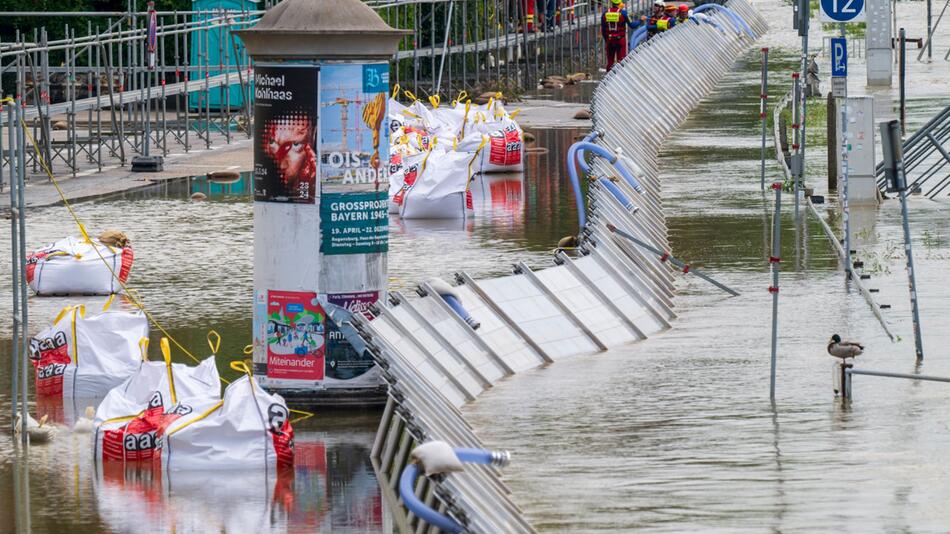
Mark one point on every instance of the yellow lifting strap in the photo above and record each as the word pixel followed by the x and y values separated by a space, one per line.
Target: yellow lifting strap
pixel 143 348
pixel 395 92
pixel 207 412
pixel 435 100
pixel 167 355
pixel 410 96
pixel 242 367
pixel 108 304
pixel 214 341
pixel 514 113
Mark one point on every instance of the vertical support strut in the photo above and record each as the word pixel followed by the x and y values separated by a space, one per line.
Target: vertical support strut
pixel 773 289
pixel 763 107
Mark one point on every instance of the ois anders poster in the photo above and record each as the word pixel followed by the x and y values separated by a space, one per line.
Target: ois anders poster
pixel 354 145
pixel 285 152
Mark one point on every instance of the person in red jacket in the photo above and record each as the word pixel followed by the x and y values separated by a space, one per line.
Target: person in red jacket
pixel 613 28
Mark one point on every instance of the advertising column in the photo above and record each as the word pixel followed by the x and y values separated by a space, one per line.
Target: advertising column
pixel 289 323
pixel 354 219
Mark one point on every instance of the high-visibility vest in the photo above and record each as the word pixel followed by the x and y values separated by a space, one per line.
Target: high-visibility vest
pixel 663 24
pixel 616 23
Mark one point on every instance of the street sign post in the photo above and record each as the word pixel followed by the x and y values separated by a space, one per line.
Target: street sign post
pixel 842 10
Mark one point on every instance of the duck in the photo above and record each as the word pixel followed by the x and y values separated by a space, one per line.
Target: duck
pixel 38 431
pixel 84 425
pixel 844 349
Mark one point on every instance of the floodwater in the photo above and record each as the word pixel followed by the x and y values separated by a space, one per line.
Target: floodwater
pixel 673 433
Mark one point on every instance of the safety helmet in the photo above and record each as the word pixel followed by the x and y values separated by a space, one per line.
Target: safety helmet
pixel 616 2
pixel 684 8
pixel 670 8
pixel 659 4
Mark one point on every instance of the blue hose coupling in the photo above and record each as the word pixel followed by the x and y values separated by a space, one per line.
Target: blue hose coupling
pixel 451 297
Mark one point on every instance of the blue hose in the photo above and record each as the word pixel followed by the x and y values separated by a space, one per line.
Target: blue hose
pixel 613 159
pixel 575 181
pixel 407 488
pixel 737 21
pixel 407 491
pixel 637 37
pixel 460 310
pixel 617 193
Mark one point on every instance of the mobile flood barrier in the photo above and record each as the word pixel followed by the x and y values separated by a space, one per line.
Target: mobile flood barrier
pixel 608 293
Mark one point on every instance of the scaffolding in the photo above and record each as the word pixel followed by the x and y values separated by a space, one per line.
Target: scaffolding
pixel 101 97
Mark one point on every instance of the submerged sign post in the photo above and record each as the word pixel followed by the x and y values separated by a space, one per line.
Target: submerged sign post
pixel 842 10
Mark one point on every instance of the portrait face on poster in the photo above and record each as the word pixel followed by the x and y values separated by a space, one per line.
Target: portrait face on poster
pixel 285 149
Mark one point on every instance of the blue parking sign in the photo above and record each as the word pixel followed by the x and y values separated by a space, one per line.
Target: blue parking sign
pixel 842 10
pixel 839 56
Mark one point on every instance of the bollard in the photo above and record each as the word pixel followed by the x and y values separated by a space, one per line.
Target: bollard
pixel 774 260
pixel 762 108
pixel 320 218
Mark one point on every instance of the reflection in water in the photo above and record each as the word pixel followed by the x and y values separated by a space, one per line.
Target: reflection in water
pixel 331 487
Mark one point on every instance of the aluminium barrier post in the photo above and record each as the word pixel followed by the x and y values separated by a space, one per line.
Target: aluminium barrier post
pixel 774 260
pixel 665 256
pixel 762 108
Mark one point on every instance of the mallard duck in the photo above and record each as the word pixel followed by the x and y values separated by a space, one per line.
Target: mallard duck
pixel 844 349
pixel 84 425
pixel 38 431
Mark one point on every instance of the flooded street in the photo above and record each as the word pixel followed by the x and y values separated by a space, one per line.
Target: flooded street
pixel 673 433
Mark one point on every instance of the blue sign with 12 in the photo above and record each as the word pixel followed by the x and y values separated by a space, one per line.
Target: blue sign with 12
pixel 842 10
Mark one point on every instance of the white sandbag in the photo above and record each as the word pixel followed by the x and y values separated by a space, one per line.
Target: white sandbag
pixel 248 429
pixel 405 177
pixel 439 192
pixel 81 356
pixel 128 418
pixel 71 266
pixel 505 150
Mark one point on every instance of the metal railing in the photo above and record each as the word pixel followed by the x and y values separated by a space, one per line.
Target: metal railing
pixel 926 155
pixel 606 293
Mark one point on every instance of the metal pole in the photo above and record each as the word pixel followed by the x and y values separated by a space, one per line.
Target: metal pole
pixel 665 256
pixel 797 142
pixel 845 148
pixel 12 127
pixel 763 108
pixel 903 74
pixel 806 19
pixel 445 46
pixel 21 256
pixel 774 260
pixel 911 275
pixel 929 30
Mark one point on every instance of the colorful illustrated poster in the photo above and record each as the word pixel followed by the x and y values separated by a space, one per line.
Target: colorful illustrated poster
pixel 343 362
pixel 285 149
pixel 295 336
pixel 354 223
pixel 354 146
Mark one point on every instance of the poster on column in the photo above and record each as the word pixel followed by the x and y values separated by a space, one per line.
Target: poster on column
pixel 354 147
pixel 354 223
pixel 295 336
pixel 285 149
pixel 343 362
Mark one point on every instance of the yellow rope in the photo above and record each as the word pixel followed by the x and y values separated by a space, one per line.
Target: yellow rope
pixel 129 292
